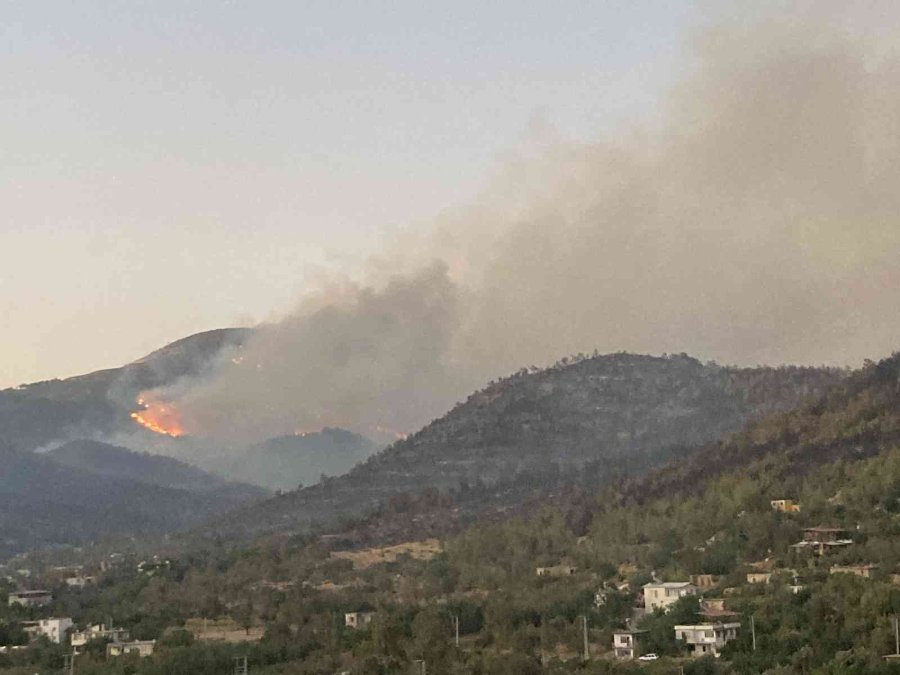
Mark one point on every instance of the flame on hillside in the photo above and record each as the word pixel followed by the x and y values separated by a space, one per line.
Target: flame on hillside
pixel 399 435
pixel 159 417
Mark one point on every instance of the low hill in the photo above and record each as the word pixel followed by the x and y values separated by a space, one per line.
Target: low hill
pixel 87 490
pixel 110 461
pixel 625 413
pixel 285 462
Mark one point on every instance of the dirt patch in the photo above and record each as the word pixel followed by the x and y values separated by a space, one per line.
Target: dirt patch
pixel 420 550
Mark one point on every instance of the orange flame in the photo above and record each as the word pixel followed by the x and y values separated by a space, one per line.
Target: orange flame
pixel 399 435
pixel 159 417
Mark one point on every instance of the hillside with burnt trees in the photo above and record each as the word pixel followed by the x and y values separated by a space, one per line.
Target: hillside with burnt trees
pixel 620 414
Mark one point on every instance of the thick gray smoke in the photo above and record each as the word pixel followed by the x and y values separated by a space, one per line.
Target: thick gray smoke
pixel 757 221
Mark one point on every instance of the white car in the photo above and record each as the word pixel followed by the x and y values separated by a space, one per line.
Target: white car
pixel 648 657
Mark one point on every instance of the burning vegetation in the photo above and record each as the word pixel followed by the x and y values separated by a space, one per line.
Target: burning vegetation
pixel 159 417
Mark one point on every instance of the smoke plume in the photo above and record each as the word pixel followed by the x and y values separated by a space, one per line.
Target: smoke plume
pixel 755 220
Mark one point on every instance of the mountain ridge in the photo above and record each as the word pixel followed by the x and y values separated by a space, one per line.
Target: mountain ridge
pixel 628 411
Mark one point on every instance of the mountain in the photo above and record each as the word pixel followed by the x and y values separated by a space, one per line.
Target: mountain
pixel 621 414
pixel 285 462
pixel 99 403
pixel 86 490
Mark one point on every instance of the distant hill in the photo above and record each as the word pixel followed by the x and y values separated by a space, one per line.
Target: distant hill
pixel 115 462
pixel 622 413
pixel 856 420
pixel 85 490
pixel 285 462
pixel 34 415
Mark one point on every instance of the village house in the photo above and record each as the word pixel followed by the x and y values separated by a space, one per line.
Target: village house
pixel 707 638
pixel 151 567
pixel 54 629
pixel 704 580
pixel 358 619
pixel 822 539
pixel 866 571
pixel 140 647
pixel 30 599
pixel 663 594
pixel 759 577
pixel 626 643
pixel 80 581
pixel 785 505
pixel 556 571
pixel 78 639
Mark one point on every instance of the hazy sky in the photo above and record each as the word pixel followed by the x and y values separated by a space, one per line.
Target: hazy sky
pixel 169 167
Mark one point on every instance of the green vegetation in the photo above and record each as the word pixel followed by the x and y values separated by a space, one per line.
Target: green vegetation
pixel 708 512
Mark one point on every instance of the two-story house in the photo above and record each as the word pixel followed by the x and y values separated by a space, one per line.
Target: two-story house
pixel 663 594
pixel 707 638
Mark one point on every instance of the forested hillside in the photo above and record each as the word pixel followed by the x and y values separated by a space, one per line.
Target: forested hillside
pixel 115 462
pixel 624 413
pixel 707 512
pixel 86 491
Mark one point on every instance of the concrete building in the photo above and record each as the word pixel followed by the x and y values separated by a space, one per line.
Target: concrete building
pixel 785 505
pixel 30 598
pixel 663 594
pixel 78 639
pixel 866 571
pixel 707 638
pixel 358 619
pixel 759 577
pixel 54 629
pixel 80 581
pixel 704 580
pixel 556 571
pixel 626 643
pixel 140 647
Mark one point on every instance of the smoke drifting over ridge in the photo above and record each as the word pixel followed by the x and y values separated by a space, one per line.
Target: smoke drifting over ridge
pixel 757 222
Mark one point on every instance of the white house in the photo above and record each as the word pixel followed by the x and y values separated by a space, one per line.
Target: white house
pixel 358 619
pixel 79 639
pixel 707 638
pixel 663 594
pixel 141 648
pixel 53 629
pixel 626 643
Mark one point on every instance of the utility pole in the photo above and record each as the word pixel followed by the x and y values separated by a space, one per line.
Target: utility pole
pixel 421 662
pixel 587 654
pixel 753 631
pixel 896 634
pixel 240 665
pixel 69 664
pixel 456 628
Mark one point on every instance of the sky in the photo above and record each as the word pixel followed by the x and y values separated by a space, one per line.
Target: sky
pixel 170 167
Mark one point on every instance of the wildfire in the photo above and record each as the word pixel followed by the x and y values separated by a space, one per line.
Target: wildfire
pixel 399 435
pixel 159 417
